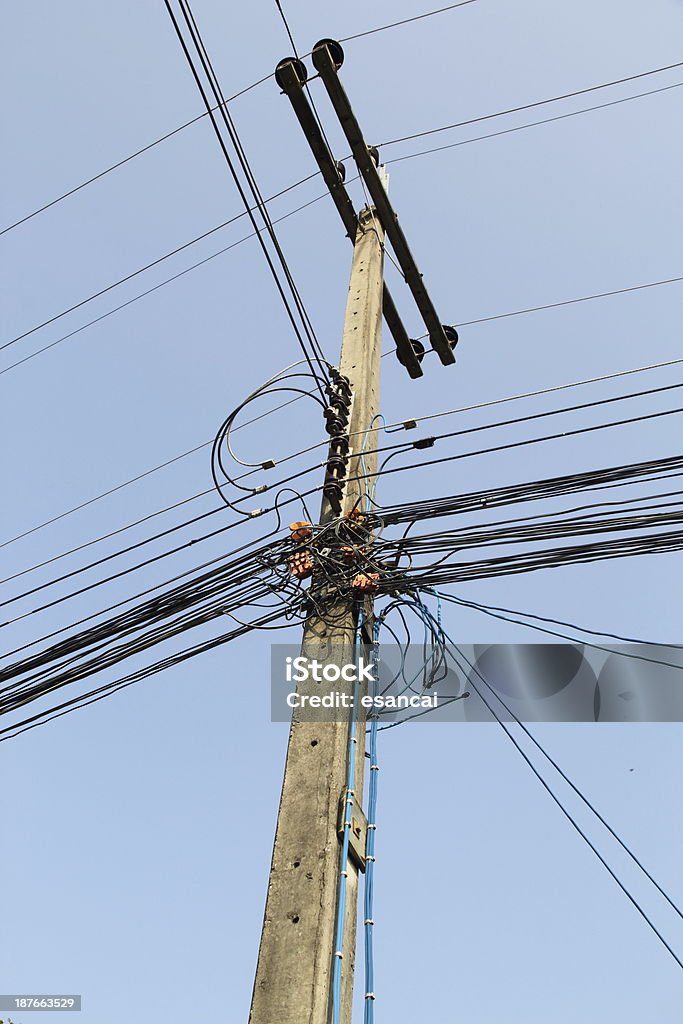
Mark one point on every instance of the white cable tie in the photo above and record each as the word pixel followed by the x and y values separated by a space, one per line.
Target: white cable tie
pixel 370 858
pixel 345 874
pixel 369 995
pixel 374 767
pixel 339 954
pixel 368 920
pixel 371 824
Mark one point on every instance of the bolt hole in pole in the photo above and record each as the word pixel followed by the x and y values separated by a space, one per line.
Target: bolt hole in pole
pixel 296 864
pixel 314 743
pixel 295 919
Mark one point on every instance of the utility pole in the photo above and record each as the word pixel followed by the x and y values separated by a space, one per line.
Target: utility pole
pixel 294 972
pixel 294 975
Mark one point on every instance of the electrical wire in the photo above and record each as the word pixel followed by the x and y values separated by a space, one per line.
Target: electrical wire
pixel 534 124
pixel 531 106
pixel 200 117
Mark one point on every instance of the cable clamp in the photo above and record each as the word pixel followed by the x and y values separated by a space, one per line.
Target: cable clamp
pixel 339 954
pixel 345 874
pixel 370 858
pixel 369 995
pixel 268 464
pixel 424 442
pixel 256 512
pixel 409 424
pixel 368 920
pixel 374 767
pixel 371 824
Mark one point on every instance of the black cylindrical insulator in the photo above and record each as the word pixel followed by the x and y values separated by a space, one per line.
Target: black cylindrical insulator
pixel 339 445
pixel 336 466
pixel 333 490
pixel 335 428
pixel 336 414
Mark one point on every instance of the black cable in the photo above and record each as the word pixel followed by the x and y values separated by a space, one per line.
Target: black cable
pixel 406 21
pixel 208 72
pixel 571 302
pixel 156 287
pixel 534 124
pixel 126 159
pixel 530 106
pixel 148 266
pixel 564 810
pixel 200 117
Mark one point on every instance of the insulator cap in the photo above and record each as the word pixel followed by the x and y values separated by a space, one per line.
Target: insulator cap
pixel 336 52
pixel 451 335
pixel 299 70
pixel 417 347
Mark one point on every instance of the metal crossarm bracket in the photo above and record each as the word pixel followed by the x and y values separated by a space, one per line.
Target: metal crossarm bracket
pixel 290 75
pixel 327 58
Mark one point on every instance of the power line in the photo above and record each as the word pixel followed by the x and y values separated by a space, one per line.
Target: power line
pixel 126 159
pixel 534 124
pixel 147 266
pixel 530 106
pixel 572 820
pixel 304 333
pixel 571 302
pixel 127 483
pixel 406 21
pixel 389 428
pixel 402 446
pixel 200 117
pixel 156 287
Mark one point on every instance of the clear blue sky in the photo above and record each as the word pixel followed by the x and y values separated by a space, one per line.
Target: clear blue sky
pixel 137 833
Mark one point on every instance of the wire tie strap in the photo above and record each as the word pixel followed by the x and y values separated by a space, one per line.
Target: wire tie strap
pixel 374 767
pixel 338 953
pixel 371 824
pixel 368 920
pixel 370 858
pixel 345 874
pixel 369 995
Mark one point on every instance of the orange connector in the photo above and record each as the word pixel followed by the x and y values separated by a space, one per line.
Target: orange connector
pixel 351 553
pixel 300 531
pixel 301 565
pixel 367 583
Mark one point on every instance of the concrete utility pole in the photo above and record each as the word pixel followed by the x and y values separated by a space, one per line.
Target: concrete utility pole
pixel 294 972
pixel 294 975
